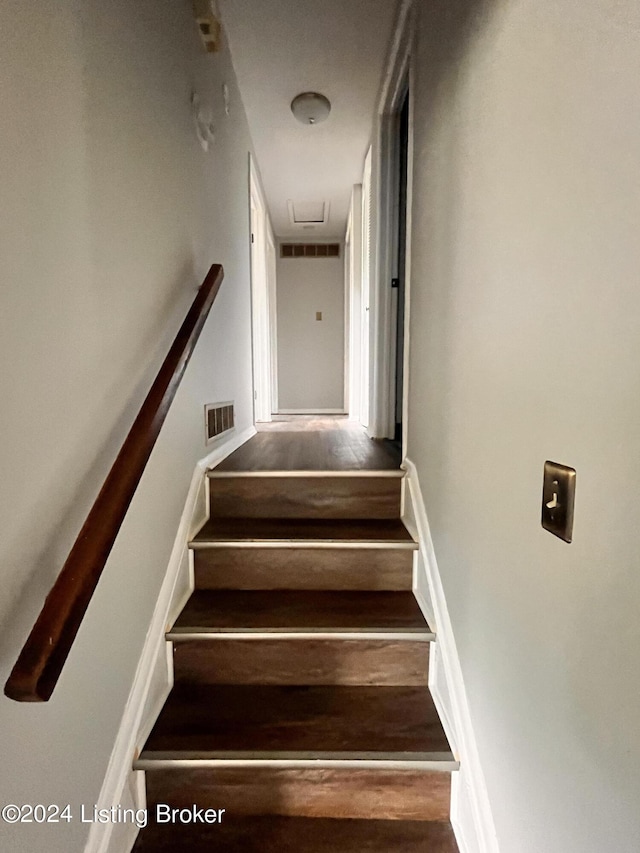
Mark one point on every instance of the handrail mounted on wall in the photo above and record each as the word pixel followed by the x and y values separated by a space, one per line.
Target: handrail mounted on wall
pixel 43 656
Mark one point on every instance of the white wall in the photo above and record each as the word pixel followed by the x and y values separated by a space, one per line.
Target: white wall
pixel 525 346
pixel 310 352
pixel 111 213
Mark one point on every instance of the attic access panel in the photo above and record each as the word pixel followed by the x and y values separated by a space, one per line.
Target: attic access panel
pixel 308 213
pixel 312 211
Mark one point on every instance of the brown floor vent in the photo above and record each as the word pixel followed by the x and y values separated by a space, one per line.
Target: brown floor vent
pixel 218 419
pixel 310 250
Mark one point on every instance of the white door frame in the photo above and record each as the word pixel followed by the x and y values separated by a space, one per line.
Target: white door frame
pixel 273 314
pixel 262 282
pixel 366 249
pixel 347 319
pixel 353 324
pixel 385 252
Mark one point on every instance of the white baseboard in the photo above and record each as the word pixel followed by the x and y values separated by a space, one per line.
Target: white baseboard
pixel 154 674
pixel 311 412
pixel 471 814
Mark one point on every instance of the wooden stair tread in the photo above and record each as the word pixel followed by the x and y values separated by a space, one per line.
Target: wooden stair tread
pixel 273 834
pixel 301 610
pixel 302 529
pixel 369 793
pixel 267 719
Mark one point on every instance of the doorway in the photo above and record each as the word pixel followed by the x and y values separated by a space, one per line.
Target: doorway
pixel 391 255
pixel 399 280
pixel 262 301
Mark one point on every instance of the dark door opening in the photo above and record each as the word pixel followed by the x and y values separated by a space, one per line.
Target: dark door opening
pixel 399 282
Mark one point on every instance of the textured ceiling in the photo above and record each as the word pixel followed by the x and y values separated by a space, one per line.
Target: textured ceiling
pixel 283 47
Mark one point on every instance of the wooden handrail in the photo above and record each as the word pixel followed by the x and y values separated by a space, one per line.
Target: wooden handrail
pixel 40 663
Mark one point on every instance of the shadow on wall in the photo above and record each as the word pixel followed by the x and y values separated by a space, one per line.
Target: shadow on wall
pixel 448 30
pixel 33 572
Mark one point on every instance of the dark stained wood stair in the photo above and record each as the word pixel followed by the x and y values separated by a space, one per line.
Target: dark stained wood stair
pixel 341 638
pixel 345 533
pixel 320 568
pixel 334 496
pixel 295 835
pixel 300 703
pixel 283 610
pixel 225 721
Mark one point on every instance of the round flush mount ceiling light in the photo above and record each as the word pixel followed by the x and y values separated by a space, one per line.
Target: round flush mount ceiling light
pixel 310 107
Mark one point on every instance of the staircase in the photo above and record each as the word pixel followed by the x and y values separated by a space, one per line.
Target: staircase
pixel 300 703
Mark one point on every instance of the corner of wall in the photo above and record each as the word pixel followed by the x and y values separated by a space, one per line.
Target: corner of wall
pixel 471 814
pixel 122 786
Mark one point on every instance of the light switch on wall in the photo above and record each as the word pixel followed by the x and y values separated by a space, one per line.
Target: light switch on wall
pixel 318 315
pixel 558 496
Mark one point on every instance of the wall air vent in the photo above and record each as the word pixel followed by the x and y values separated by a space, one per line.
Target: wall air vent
pixel 218 420
pixel 310 250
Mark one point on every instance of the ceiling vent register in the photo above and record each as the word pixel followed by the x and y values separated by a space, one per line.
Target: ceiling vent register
pixel 310 250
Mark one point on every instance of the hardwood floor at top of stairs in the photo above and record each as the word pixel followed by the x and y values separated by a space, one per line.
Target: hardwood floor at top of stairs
pixel 300 703
pixel 312 444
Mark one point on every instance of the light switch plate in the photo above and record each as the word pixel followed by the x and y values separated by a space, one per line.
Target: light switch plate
pixel 558 497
